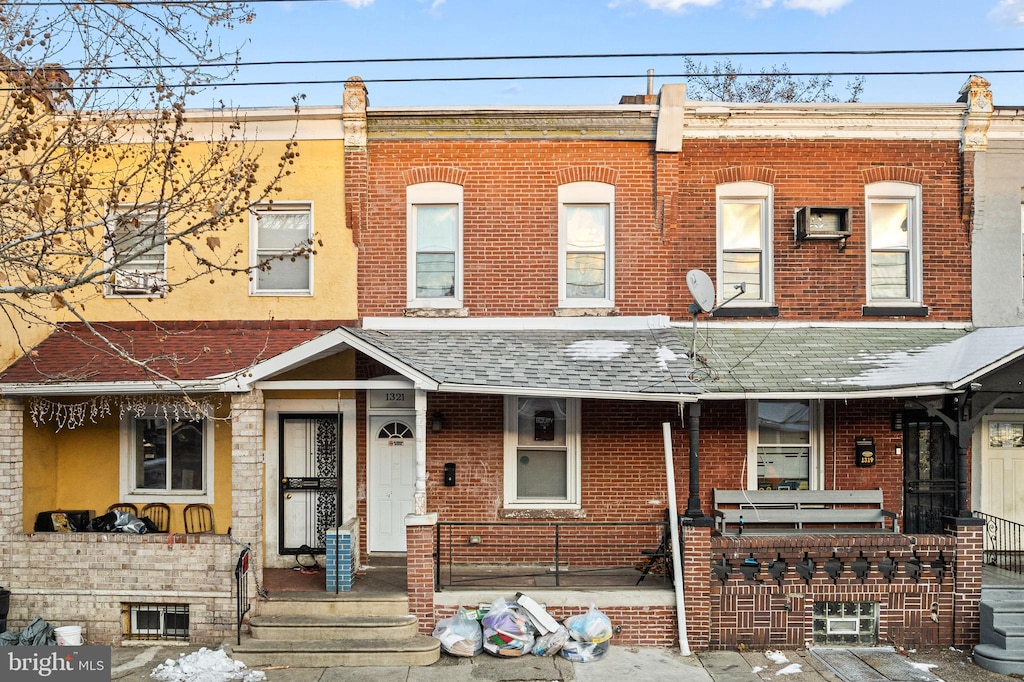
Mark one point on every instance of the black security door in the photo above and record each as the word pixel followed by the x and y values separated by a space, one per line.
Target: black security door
pixel 310 479
pixel 929 466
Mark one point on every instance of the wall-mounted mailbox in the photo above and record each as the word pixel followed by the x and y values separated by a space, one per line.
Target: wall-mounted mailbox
pixel 449 474
pixel 865 451
pixel 823 222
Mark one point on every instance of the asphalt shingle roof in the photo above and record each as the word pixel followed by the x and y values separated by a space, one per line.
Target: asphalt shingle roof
pixel 827 359
pixel 183 351
pixel 649 361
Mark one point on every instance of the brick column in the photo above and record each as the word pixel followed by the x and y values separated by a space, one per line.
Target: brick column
pixel 247 426
pixel 12 438
pixel 696 550
pixel 419 568
pixel 970 537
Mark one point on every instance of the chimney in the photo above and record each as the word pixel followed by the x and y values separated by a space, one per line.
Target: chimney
pixel 649 98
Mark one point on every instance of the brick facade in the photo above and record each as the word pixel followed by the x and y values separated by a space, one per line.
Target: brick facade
pixel 665 219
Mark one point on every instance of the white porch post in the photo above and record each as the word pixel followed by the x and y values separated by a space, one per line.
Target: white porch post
pixel 420 495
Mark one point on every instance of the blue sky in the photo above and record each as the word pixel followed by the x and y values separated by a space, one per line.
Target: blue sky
pixel 374 29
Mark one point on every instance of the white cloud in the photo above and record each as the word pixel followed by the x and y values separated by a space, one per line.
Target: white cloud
pixel 816 6
pixel 1008 12
pixel 356 4
pixel 670 5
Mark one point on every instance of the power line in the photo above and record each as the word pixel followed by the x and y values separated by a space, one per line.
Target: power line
pixel 610 55
pixel 471 79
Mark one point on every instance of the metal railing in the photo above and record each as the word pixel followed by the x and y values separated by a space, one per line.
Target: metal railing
pixel 1004 543
pixel 242 588
pixel 549 553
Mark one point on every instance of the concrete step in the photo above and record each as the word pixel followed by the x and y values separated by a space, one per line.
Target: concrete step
pixel 1002 593
pixel 329 604
pixel 1001 614
pixel 999 660
pixel 418 650
pixel 1008 638
pixel 315 627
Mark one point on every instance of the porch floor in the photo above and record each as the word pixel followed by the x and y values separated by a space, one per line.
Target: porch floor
pixel 992 576
pixel 387 576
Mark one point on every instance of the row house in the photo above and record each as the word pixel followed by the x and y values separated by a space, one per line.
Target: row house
pixel 534 342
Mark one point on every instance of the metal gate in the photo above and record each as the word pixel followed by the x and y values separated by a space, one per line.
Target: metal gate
pixel 310 490
pixel 929 473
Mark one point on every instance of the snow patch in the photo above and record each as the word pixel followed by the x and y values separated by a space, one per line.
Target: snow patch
pixel 596 349
pixel 205 666
pixel 791 669
pixel 664 356
pixel 924 667
pixel 776 657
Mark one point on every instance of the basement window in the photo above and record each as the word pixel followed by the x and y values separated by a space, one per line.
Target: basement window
pixel 845 622
pixel 155 621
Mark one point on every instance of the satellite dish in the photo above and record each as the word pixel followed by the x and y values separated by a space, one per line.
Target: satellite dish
pixel 702 289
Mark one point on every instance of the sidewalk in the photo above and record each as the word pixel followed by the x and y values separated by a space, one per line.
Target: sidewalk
pixel 621 664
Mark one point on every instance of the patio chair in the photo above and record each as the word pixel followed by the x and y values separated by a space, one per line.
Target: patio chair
pixel 198 518
pixel 126 507
pixel 160 514
pixel 660 558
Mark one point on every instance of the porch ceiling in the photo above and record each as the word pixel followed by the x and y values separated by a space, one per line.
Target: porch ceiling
pixel 838 360
pixel 648 364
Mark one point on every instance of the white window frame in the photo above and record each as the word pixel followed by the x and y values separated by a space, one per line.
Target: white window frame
pixel 426 194
pixel 576 193
pixel 1022 247
pixel 815 474
pixel 755 193
pixel 130 492
pixel 137 282
pixel 909 194
pixel 572 450
pixel 256 253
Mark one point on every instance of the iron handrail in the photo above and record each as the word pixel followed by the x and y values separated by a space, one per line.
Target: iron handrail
pixel 555 550
pixel 1004 543
pixel 242 589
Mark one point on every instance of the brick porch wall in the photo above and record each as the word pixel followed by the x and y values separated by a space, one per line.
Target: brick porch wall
pixel 764 612
pixel 83 578
pixel 419 569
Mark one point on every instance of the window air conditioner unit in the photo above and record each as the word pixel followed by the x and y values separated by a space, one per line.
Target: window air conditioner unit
pixel 818 222
pixel 136 282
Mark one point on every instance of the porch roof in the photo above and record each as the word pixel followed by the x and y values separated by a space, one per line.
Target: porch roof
pixel 190 354
pixel 864 361
pixel 639 363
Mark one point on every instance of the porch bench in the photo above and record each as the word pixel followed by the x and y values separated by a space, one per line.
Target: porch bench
pixel 792 509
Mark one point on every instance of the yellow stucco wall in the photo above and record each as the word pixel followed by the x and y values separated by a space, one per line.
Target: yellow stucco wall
pixel 80 469
pixel 317 178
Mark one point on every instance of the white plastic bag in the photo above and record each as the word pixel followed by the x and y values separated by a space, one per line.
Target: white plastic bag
pixel 551 643
pixel 588 636
pixel 507 631
pixel 460 635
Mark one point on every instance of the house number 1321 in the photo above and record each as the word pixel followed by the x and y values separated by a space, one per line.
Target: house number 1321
pixel 394 397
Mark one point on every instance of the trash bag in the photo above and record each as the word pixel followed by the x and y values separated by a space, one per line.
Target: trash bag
pixel 105 523
pixel 36 633
pixel 551 643
pixel 460 635
pixel 119 521
pixel 127 522
pixel 584 652
pixel 507 631
pixel 588 636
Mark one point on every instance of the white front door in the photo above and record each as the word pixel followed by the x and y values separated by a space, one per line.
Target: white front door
pixel 392 482
pixel 1002 482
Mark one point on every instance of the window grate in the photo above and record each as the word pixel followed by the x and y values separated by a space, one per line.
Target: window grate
pixel 155 621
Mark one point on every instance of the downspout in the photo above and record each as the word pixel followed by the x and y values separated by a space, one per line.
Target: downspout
pixel 673 524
